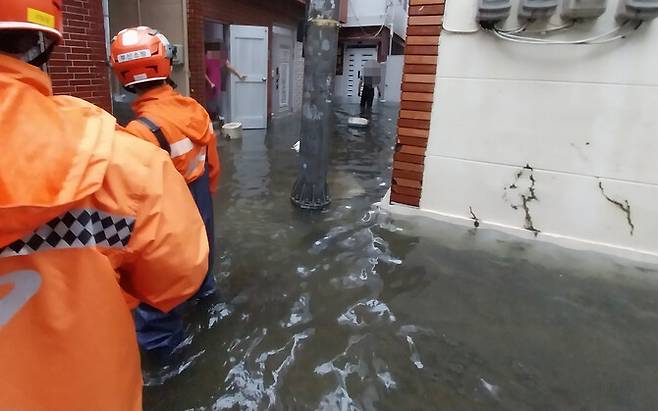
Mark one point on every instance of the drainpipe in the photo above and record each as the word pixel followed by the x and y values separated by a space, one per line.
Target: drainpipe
pixel 320 48
pixel 139 12
pixel 186 48
pixel 391 27
pixel 106 25
pixel 392 34
pixel 108 39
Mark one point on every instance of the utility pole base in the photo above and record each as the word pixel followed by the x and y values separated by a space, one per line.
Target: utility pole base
pixel 308 196
pixel 311 191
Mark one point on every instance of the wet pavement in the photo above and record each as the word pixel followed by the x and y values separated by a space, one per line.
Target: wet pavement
pixel 355 309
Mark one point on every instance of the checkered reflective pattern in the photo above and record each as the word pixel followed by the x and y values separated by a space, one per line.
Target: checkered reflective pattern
pixel 75 229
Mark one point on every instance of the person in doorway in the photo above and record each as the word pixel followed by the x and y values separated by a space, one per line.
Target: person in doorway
pixel 141 58
pixel 89 218
pixel 216 65
pixel 369 81
pixel 367 95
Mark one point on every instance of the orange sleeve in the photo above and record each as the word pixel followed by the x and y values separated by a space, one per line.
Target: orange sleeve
pixel 139 130
pixel 168 251
pixel 214 164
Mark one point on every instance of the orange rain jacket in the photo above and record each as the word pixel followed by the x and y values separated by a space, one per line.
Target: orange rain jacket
pixel 86 214
pixel 186 126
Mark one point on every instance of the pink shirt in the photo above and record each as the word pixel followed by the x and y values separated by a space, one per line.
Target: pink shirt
pixel 214 72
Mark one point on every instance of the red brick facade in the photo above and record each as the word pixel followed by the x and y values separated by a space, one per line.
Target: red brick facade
pixel 420 61
pixel 246 12
pixel 78 66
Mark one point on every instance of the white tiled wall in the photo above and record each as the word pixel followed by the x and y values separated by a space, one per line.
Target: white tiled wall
pixel 583 117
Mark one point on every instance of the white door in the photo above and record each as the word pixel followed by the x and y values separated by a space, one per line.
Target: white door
pixel 355 58
pixel 249 54
pixel 284 80
pixel 282 67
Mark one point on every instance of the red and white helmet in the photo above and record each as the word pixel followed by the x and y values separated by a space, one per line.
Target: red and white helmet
pixel 39 15
pixel 141 54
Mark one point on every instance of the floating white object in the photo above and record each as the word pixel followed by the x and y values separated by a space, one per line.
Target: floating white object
pixel 358 122
pixel 232 131
pixel 296 146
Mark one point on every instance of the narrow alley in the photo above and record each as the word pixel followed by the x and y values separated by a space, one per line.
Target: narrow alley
pixel 354 309
pixel 329 205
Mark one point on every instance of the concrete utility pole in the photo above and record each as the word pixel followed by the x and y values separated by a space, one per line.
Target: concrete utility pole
pixel 310 190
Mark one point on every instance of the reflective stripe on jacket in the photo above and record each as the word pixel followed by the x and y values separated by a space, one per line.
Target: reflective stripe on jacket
pixel 186 126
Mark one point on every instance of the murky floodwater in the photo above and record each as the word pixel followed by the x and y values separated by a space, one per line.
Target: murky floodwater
pixel 352 309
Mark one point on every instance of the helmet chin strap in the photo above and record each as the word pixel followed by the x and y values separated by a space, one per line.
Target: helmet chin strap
pixel 40 53
pixel 43 57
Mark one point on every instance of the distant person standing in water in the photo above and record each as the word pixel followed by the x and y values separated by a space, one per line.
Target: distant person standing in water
pixel 216 65
pixel 370 79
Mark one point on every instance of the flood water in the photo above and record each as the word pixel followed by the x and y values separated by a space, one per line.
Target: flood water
pixel 355 309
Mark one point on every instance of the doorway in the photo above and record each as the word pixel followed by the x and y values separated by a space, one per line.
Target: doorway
pixel 249 53
pixel 282 72
pixel 216 50
pixel 232 51
pixel 355 58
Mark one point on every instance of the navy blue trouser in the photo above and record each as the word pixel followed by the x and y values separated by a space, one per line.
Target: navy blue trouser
pixel 157 331
pixel 367 98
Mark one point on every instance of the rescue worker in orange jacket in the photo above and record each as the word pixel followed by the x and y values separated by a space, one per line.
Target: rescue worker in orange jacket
pixel 89 216
pixel 141 58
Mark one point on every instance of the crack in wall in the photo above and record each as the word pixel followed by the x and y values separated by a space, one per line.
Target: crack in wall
pixel 625 207
pixel 526 198
pixel 476 220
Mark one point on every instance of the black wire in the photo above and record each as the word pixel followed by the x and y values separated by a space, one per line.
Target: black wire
pixel 622 36
pixel 488 25
pixel 44 56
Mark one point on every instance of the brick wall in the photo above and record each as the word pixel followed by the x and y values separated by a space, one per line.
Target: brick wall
pixel 78 66
pixel 247 12
pixel 419 77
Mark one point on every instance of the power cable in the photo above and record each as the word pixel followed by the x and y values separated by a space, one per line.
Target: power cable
pixel 389 4
pixel 598 39
pixel 552 29
pixel 524 29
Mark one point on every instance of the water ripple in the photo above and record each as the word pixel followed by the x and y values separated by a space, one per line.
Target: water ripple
pixel 365 313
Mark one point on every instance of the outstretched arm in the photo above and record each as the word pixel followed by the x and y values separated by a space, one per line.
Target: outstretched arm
pixel 234 70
